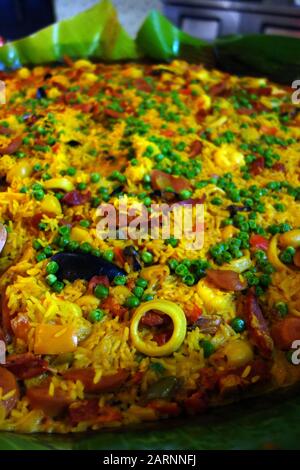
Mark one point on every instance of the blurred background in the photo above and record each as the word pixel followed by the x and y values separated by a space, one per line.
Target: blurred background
pixel 207 19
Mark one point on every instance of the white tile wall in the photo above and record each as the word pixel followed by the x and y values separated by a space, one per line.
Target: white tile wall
pixel 131 12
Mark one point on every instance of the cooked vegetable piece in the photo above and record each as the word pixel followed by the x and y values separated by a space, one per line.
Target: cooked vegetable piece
pixel 9 390
pixel 163 388
pixel 285 332
pixel 52 405
pixel 257 325
pixel 226 279
pixel 26 365
pixel 55 339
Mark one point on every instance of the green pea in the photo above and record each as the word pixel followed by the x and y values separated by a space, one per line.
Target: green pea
pixel 71 171
pixel 172 241
pixel 147 201
pixel 36 245
pixel 208 348
pixel 147 297
pixel 85 223
pixel 147 257
pixel 52 267
pixel 101 291
pixel 108 255
pixel 63 242
pixel 58 286
pixel 40 257
pixel 216 201
pixel 282 309
pixel 95 177
pixel 37 167
pixel 96 252
pixel 64 230
pixel 138 291
pixel 38 194
pixel 238 324
pixel 120 280
pixel 51 279
pixel 48 250
pixel 73 245
pixel 95 201
pixel 81 186
pixel 132 301
pixel 185 194
pixel 141 282
pixel 189 279
pixel 86 247
pixel 96 315
pixel 26 140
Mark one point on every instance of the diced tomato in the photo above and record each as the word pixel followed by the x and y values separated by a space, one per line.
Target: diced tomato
pixel 112 113
pixel 269 130
pixel 278 167
pixel 259 242
pixel 55 148
pixel 167 132
pixel 185 91
pixel 193 314
pixel 257 166
pixel 196 148
pixel 113 306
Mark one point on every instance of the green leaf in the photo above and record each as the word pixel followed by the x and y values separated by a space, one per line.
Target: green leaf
pixel 94 33
pixel 159 39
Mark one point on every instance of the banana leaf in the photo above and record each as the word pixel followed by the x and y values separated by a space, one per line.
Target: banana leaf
pixel 95 33
pixel 276 57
